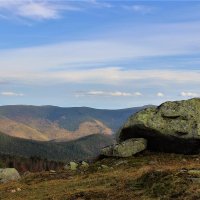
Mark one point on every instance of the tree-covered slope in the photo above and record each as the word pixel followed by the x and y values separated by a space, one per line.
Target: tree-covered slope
pixel 81 149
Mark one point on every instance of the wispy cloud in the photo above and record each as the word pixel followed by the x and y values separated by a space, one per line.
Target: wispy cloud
pixel 138 8
pixel 181 39
pixel 107 93
pixel 100 4
pixel 109 75
pixel 34 9
pixel 45 9
pixel 38 10
pixel 190 94
pixel 12 94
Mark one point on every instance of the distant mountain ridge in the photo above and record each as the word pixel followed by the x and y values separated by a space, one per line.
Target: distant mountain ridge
pixel 46 123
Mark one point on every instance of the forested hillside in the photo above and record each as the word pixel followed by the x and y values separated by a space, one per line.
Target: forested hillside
pixel 81 149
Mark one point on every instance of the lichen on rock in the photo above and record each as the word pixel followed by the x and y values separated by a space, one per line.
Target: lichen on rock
pixel 125 149
pixel 170 127
pixel 9 174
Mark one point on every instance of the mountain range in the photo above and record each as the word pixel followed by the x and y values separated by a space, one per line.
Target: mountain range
pixel 58 134
pixel 46 123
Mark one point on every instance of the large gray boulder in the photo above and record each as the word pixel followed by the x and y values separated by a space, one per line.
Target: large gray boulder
pixel 170 127
pixel 125 149
pixel 8 174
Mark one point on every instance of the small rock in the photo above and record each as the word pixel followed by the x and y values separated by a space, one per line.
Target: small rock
pixel 9 174
pixel 121 162
pixel 73 166
pixel 104 167
pixel 52 172
pixel 194 172
pixel 84 165
pixel 13 191
pixel 183 170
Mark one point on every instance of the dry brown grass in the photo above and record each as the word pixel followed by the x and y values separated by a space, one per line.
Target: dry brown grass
pixel 148 176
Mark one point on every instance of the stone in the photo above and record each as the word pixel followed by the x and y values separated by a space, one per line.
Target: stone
pixel 125 149
pixel 104 167
pixel 194 172
pixel 84 165
pixel 52 172
pixel 9 174
pixel 121 162
pixel 172 127
pixel 73 166
pixel 183 170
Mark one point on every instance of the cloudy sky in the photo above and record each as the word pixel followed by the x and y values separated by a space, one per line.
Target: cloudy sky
pixel 103 54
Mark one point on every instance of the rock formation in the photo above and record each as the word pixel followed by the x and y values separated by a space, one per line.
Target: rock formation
pixel 8 174
pixel 171 127
pixel 125 149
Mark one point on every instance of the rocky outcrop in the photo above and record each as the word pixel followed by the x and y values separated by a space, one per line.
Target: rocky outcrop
pixel 170 127
pixel 125 149
pixel 8 174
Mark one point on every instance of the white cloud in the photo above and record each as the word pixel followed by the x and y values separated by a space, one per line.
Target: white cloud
pixel 181 39
pixel 100 4
pixel 114 75
pixel 34 9
pixel 12 94
pixel 160 94
pixel 118 94
pixel 45 9
pixel 137 94
pixel 58 62
pixel 190 94
pixel 139 8
pixel 109 75
pixel 37 10
pixel 106 93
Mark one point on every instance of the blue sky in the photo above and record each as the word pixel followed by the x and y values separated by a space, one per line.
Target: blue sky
pixel 103 54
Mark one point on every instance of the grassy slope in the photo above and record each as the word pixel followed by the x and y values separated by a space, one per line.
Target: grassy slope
pixel 83 148
pixel 145 177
